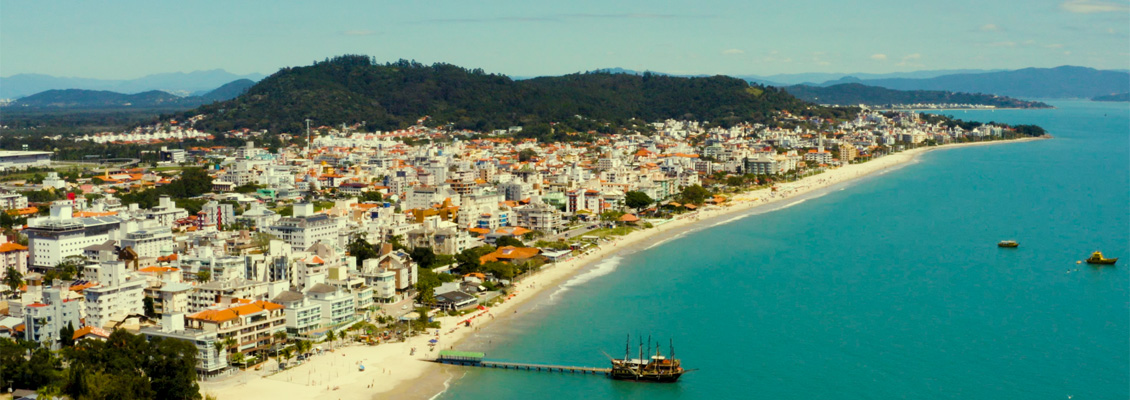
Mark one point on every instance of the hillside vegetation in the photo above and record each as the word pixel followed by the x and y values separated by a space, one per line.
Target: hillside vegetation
pixel 356 89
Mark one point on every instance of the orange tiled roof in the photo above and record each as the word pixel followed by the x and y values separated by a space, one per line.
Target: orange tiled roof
pixel 507 253
pixel 96 331
pixel 516 231
pixel 23 211
pixel 234 312
pixel 83 286
pixel 8 247
pixel 156 269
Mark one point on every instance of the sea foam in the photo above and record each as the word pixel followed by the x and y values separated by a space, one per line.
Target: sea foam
pixel 604 267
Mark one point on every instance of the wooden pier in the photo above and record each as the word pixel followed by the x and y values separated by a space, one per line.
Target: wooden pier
pixel 545 367
pixel 469 359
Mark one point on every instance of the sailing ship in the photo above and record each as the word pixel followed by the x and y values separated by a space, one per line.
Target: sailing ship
pixel 655 368
pixel 1097 258
pixel 1008 243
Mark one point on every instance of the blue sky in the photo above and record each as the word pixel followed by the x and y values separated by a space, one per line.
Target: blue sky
pixel 128 39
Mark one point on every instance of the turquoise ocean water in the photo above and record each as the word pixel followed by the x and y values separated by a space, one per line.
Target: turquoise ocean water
pixel 892 288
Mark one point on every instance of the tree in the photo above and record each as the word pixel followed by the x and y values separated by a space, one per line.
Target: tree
pixel 150 310
pixel 637 200
pixel 230 344
pixel 502 270
pixel 68 268
pixel 280 338
pixel 735 181
pixel 397 242
pixel 423 256
pixel 611 215
pixel 503 241
pixel 67 335
pixel 370 197
pixel 204 275
pixel 330 337
pixel 246 188
pixel 13 279
pixel 303 346
pixel 468 260
pixel 362 249
pixel 171 367
pixel 526 155
pixel 263 240
pixel 694 194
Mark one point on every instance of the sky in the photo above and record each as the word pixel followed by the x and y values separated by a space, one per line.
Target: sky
pixel 130 39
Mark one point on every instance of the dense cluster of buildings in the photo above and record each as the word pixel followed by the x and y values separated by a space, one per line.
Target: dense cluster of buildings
pixel 251 264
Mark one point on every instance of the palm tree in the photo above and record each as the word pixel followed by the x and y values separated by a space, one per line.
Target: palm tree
pixel 303 346
pixel 285 354
pixel 13 279
pixel 237 358
pixel 279 336
pixel 330 337
pixel 231 344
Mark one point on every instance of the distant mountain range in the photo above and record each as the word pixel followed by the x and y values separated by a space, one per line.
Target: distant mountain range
pixel 178 83
pixel 855 93
pixel 104 99
pixel 1113 97
pixel 1039 83
pixel 1058 82
pixel 813 78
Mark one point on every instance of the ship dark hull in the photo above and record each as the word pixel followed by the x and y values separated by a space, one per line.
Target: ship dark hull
pixel 1105 261
pixel 658 378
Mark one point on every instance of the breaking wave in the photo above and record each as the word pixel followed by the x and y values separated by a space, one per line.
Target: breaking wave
pixel 602 268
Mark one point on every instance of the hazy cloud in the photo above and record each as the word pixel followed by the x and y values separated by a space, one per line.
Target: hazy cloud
pixel 879 56
pixel 360 32
pixel 911 60
pixel 1007 43
pixel 775 57
pixel 562 18
pixel 818 58
pixel 990 28
pixel 1092 6
pixel 732 52
pixel 1054 46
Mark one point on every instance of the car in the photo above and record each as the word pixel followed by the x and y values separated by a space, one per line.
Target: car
pixel 404 307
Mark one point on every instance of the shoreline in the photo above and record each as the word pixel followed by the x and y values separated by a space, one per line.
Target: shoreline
pixel 966 109
pixel 392 372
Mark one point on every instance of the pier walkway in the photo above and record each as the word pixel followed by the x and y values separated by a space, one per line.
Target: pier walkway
pixel 470 359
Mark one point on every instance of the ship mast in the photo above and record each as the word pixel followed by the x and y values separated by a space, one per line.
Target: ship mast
pixel 628 348
pixel 641 348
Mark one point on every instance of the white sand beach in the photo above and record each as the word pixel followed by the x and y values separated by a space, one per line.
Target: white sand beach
pixel 391 372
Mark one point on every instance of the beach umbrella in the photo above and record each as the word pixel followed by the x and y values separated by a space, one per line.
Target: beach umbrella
pixel 433 341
